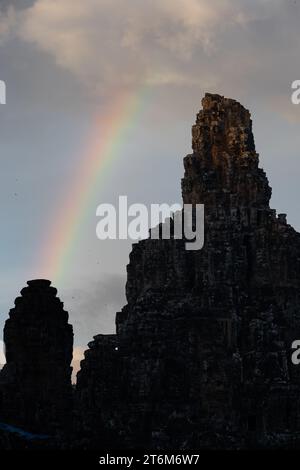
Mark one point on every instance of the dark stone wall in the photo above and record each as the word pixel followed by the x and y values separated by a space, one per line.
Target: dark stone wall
pixel 35 383
pixel 203 356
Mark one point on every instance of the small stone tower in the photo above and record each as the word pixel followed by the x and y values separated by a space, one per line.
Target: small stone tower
pixel 35 383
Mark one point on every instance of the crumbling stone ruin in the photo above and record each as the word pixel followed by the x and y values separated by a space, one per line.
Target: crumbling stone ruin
pixel 35 383
pixel 202 354
pixel 201 358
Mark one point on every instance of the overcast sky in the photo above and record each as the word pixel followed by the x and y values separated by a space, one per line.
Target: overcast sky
pixel 65 61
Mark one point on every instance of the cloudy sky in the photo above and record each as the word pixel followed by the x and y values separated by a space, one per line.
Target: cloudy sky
pixel 66 61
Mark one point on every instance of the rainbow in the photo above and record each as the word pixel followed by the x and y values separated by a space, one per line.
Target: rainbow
pixel 109 132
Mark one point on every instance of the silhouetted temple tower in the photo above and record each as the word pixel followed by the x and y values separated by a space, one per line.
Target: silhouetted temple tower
pixel 35 383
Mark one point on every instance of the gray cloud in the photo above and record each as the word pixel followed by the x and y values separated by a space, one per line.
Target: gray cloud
pixel 117 42
pixel 92 306
pixel 236 47
pixel 128 42
pixel 17 4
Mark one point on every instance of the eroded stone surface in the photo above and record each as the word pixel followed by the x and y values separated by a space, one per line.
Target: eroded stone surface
pixel 35 383
pixel 202 353
pixel 203 356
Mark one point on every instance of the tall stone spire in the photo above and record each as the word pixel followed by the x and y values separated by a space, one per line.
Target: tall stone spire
pixel 201 358
pixel 223 169
pixel 35 383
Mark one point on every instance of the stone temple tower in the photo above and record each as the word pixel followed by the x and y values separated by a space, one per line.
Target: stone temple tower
pixel 35 383
pixel 202 354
